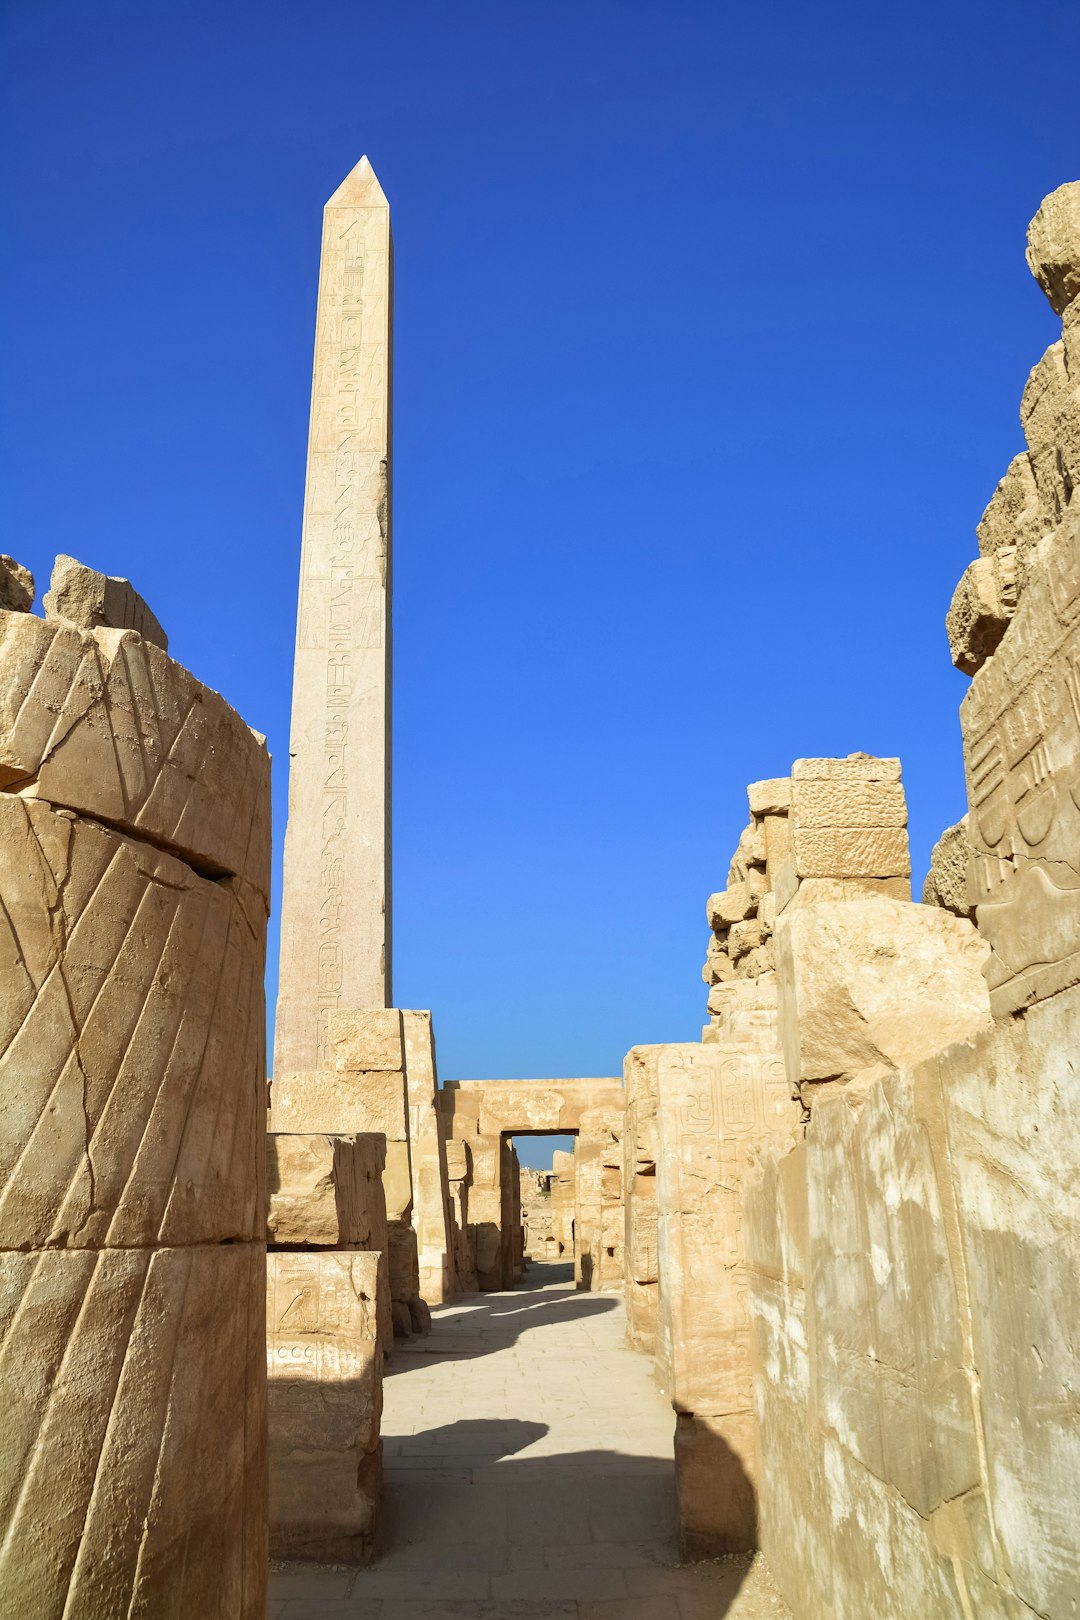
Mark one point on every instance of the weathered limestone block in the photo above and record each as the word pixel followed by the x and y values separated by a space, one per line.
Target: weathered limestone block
pixel 770 798
pixel 850 974
pixel 132 1105
pixel 368 1041
pixel 1022 761
pixel 848 820
pixel 912 1268
pixel 96 601
pixel 325 1377
pixel 325 1191
pixel 17 588
pixel 713 1103
pixel 105 723
pixel 132 1117
pixel 127 1375
pixel 340 1102
pixel 947 880
pixel 983 604
pixel 1053 246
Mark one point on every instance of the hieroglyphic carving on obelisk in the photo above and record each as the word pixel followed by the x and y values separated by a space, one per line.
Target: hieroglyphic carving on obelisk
pixel 335 926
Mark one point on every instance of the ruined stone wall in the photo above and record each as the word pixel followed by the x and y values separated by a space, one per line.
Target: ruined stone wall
pixel 536 1215
pixel 913 1277
pixel 483 1116
pixel 134 868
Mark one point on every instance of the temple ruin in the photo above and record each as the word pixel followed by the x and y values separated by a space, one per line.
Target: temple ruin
pixel 843 1223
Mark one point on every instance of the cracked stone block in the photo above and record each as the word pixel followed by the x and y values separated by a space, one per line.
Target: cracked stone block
pixel 133 1447
pixel 325 1191
pixel 850 974
pixel 105 723
pixel 132 1103
pixel 96 601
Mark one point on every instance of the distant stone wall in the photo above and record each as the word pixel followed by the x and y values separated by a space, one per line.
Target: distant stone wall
pixel 913 1260
pixel 480 1118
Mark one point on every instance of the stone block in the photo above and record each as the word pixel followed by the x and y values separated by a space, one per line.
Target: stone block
pixel 17 587
pixel 715 1103
pixel 340 1102
pixel 770 798
pixel 983 604
pixel 367 1041
pixel 133 1452
pixel 732 905
pixel 947 880
pixel 132 1089
pixel 849 974
pixel 105 723
pixel 96 601
pixel 1053 246
pixel 1014 516
pixel 325 1191
pixel 1022 761
pixel 325 1398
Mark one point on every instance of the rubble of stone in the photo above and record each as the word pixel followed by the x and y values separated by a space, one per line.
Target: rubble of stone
pixel 131 1128
pixel 94 601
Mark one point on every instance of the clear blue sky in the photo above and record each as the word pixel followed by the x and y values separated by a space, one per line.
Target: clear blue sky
pixel 712 323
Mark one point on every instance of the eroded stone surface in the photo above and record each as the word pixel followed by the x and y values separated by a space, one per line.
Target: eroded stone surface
pixel 324 1364
pixel 96 601
pixel 105 723
pixel 850 972
pixel 947 880
pixel 325 1191
pixel 1053 250
pixel 17 588
pixel 132 1103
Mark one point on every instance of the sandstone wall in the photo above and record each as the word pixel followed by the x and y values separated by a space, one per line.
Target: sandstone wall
pixel 914 1259
pixel 134 868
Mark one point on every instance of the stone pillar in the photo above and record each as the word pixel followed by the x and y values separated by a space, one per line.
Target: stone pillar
pixel 563 1170
pixel 642 1271
pixel 134 867
pixel 431 1211
pixel 715 1101
pixel 335 918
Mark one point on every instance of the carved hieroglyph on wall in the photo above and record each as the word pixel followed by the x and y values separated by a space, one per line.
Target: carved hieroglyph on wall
pixel 1021 724
pixel 336 902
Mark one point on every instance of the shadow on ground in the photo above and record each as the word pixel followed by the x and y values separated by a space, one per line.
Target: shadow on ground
pixel 485 1323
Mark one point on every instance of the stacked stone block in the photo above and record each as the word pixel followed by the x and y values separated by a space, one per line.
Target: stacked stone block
pixel 134 868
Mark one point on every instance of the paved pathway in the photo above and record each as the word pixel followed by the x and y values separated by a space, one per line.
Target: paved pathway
pixel 528 1474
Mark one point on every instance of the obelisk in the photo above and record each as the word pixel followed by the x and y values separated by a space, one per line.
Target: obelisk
pixel 335 915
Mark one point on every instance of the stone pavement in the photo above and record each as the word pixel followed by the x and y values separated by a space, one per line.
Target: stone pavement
pixel 528 1474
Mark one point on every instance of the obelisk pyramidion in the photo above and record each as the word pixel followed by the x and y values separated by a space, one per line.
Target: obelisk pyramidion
pixel 335 915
